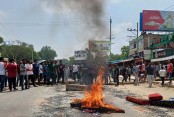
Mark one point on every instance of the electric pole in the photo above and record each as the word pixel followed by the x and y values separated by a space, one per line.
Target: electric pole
pixel 110 34
pixel 134 30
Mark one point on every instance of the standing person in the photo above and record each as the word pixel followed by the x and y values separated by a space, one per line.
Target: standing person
pixel 45 67
pixel 75 71
pixel 170 71
pixel 84 75
pixel 157 68
pixel 116 75
pixel 29 67
pixel 106 70
pixel 55 64
pixel 129 72
pixel 2 74
pixel 162 74
pixel 136 73
pixel 124 74
pixel 150 71
pixel 66 73
pixel 142 73
pixel 23 75
pixel 6 74
pixel 91 73
pixel 18 74
pixel 36 71
pixel 51 73
pixel 12 73
pixel 40 71
pixel 61 67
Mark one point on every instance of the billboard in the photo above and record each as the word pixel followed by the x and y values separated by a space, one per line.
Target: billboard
pixel 147 54
pixel 80 55
pixel 154 20
pixel 104 46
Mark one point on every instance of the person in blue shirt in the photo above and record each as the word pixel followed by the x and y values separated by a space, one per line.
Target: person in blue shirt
pixel 36 71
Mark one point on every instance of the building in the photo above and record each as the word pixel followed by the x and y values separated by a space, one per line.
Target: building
pixel 147 44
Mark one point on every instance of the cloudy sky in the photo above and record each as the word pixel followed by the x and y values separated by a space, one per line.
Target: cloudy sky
pixel 67 25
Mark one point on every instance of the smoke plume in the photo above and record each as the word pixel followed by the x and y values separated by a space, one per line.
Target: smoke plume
pixel 90 11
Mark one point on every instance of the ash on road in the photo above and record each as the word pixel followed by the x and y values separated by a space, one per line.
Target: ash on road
pixel 54 101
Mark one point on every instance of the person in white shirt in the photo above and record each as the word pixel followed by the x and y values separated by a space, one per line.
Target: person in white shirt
pixel 30 74
pixel 75 71
pixel 2 74
pixel 40 72
pixel 66 73
pixel 162 74
pixel 23 75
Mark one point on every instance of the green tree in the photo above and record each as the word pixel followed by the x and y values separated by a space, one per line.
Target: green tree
pixel 113 56
pixel 64 61
pixel 71 60
pixel 18 52
pixel 47 53
pixel 1 40
pixel 124 52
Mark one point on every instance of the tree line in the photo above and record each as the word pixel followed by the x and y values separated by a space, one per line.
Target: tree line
pixel 24 50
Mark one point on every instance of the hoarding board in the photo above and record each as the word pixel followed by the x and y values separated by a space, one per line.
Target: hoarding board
pixel 80 55
pixel 147 54
pixel 104 46
pixel 154 20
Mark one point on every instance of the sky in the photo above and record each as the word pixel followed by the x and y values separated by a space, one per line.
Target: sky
pixel 66 25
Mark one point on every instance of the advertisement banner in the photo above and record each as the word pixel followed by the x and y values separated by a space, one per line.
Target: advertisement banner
pixel 99 46
pixel 147 54
pixel 154 20
pixel 163 53
pixel 80 55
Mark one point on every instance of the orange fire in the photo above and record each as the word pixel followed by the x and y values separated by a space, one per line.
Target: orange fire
pixel 94 97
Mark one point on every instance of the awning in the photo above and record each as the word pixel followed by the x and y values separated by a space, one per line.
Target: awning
pixel 127 60
pixel 116 61
pixel 163 59
pixel 121 61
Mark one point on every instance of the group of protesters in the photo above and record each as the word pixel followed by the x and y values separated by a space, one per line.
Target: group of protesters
pixel 27 73
pixel 142 72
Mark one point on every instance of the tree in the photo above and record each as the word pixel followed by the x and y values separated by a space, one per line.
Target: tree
pixel 125 52
pixel 47 53
pixel 64 61
pixel 1 40
pixel 113 56
pixel 18 52
pixel 71 60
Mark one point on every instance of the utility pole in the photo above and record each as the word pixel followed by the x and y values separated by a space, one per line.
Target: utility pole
pixel 110 34
pixel 137 29
pixel 134 30
pixel 136 34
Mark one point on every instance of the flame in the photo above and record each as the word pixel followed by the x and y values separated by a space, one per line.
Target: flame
pixel 94 97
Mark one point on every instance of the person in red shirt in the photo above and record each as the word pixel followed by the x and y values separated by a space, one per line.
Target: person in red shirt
pixel 12 73
pixel 170 71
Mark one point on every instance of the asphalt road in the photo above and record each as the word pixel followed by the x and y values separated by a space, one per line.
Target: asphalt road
pixel 22 103
pixel 54 101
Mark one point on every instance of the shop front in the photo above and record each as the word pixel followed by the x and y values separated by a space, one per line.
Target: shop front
pixel 163 55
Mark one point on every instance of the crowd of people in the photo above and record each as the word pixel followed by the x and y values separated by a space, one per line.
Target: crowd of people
pixel 143 72
pixel 27 73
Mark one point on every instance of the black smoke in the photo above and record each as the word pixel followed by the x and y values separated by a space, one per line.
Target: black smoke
pixel 91 12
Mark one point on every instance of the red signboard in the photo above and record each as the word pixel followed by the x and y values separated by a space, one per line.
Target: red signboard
pixel 154 20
